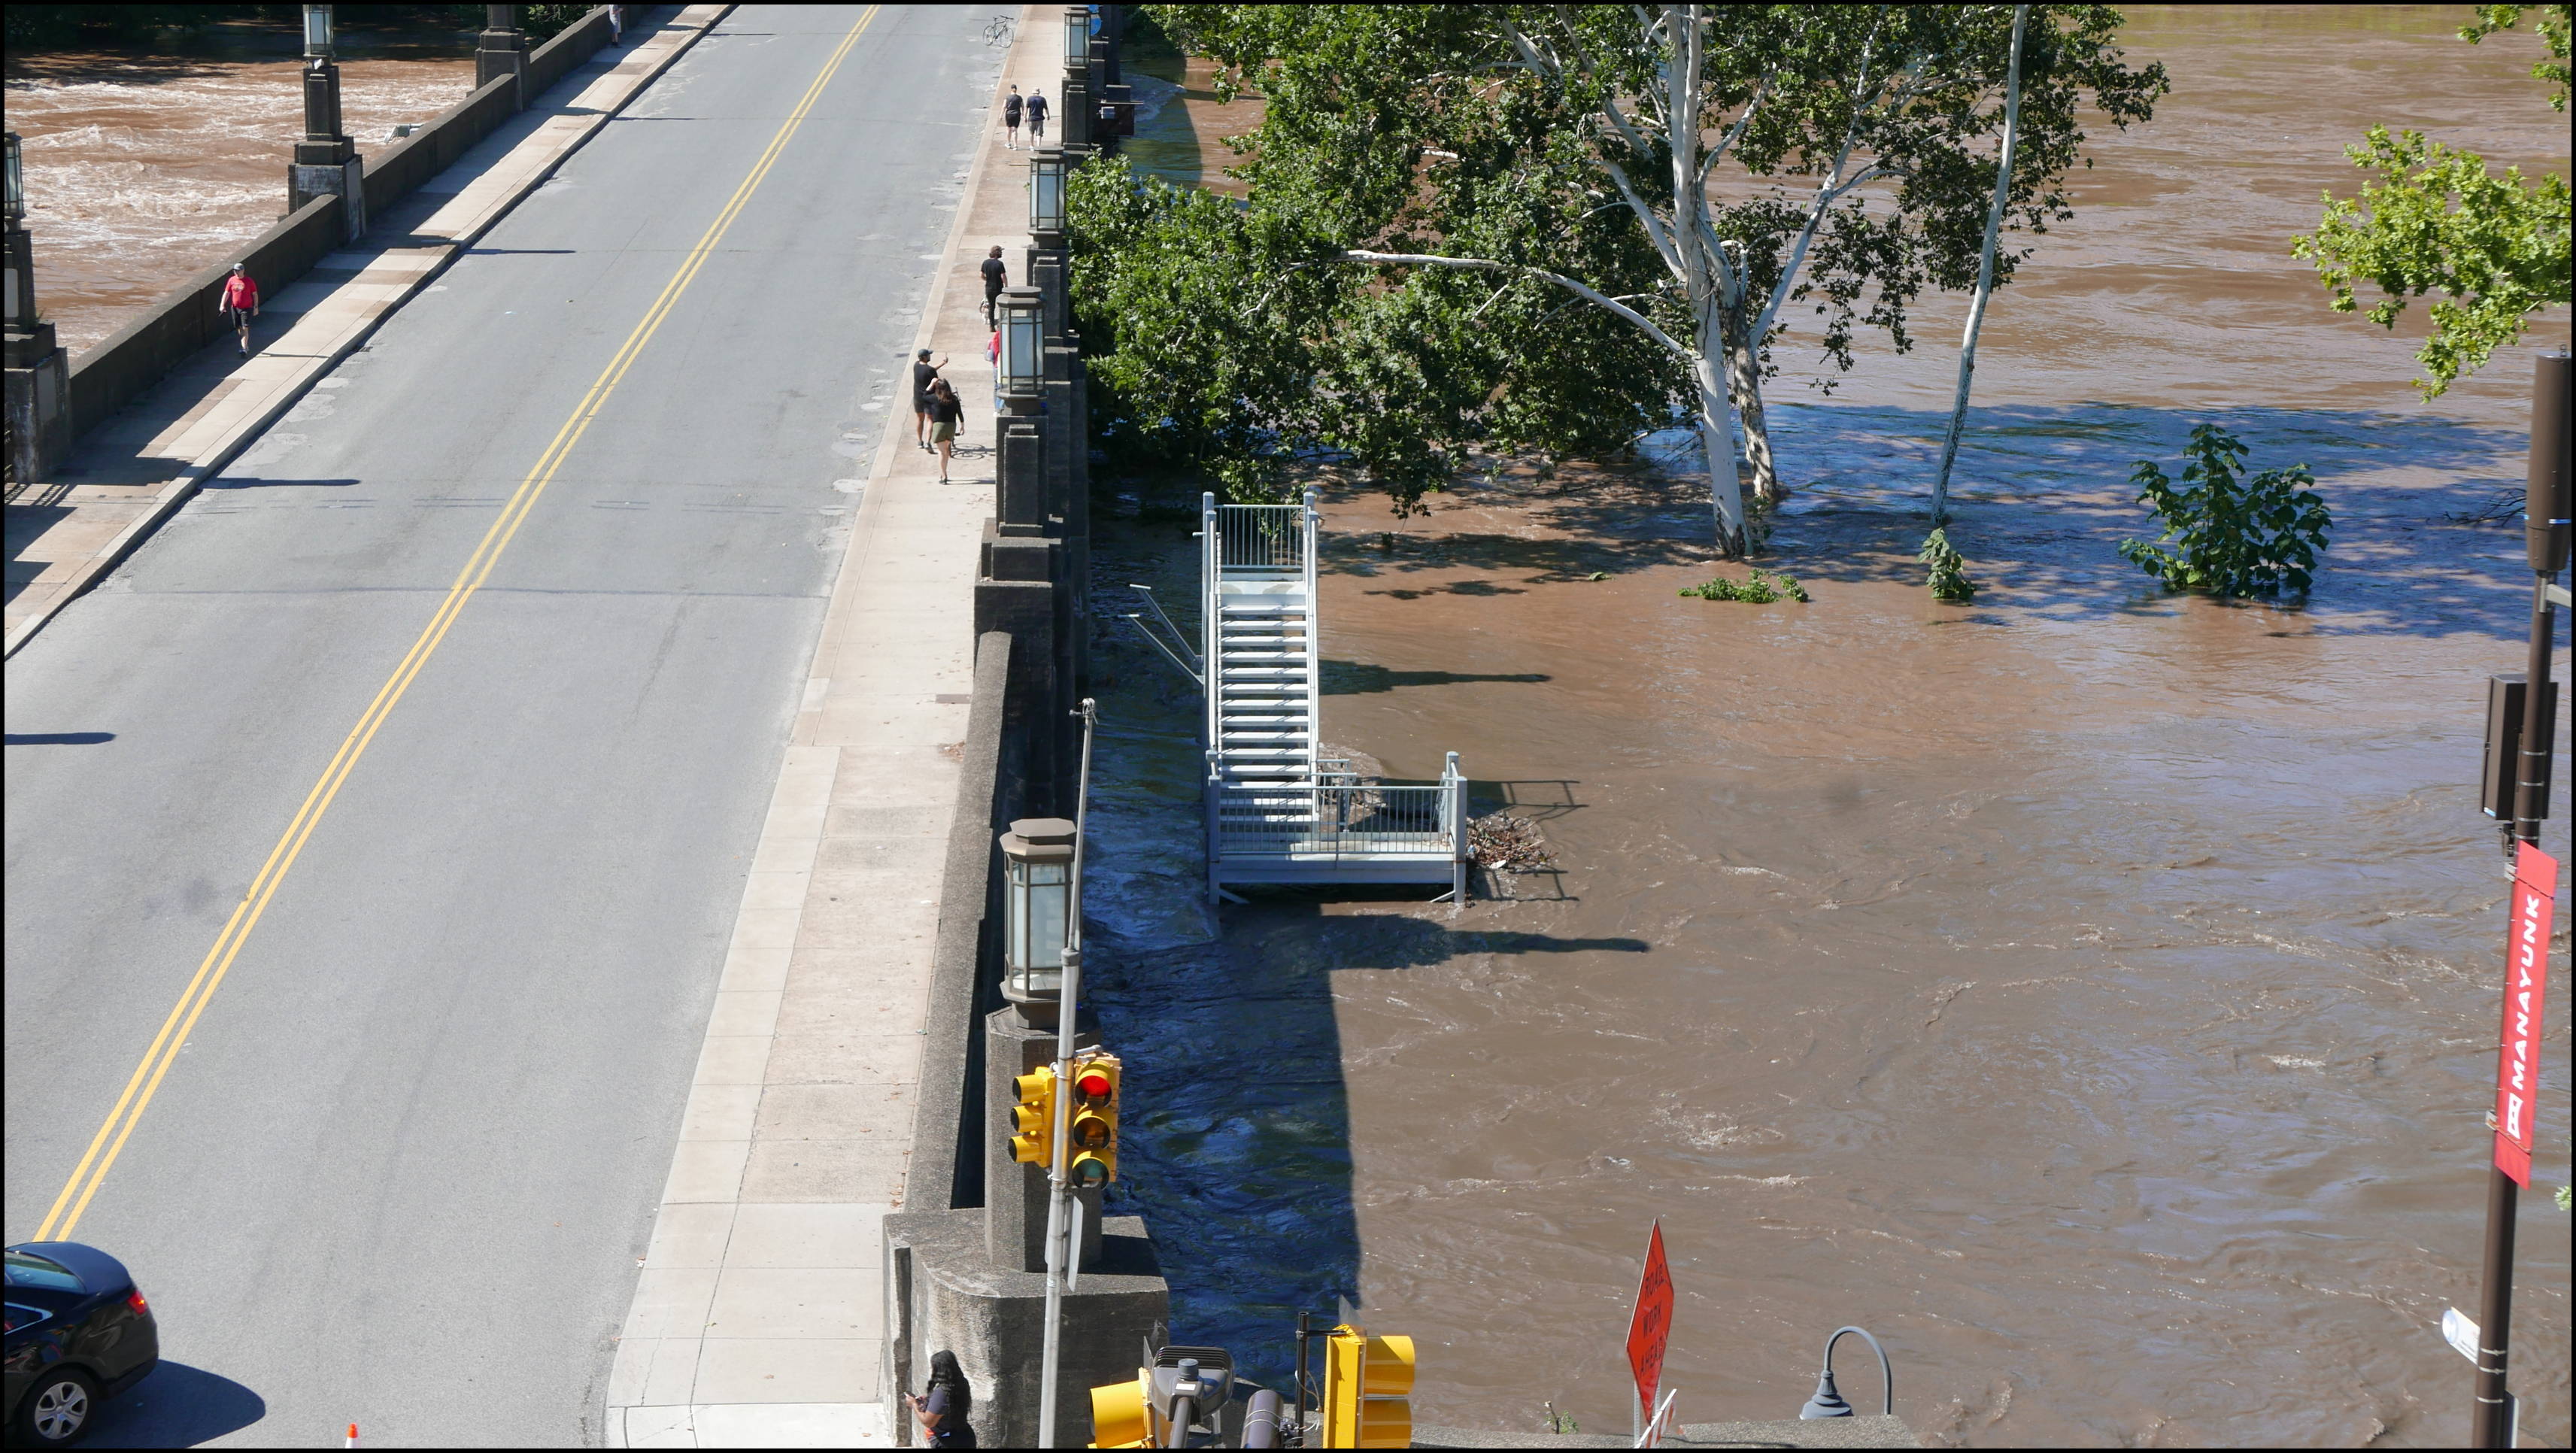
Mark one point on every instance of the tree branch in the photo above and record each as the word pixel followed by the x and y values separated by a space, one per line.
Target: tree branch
pixel 1585 291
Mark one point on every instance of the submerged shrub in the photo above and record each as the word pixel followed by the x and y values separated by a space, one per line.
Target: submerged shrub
pixel 2226 534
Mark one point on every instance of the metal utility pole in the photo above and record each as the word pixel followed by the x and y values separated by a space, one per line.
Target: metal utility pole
pixel 2545 531
pixel 1062 1236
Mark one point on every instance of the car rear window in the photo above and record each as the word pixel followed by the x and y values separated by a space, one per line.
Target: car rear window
pixel 27 1270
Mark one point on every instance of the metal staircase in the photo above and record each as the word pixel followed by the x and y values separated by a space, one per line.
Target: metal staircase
pixel 1276 813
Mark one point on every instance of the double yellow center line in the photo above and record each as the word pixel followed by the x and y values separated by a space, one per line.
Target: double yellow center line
pixel 110 1140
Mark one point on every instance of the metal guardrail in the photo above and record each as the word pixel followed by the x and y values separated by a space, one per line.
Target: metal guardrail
pixel 1332 820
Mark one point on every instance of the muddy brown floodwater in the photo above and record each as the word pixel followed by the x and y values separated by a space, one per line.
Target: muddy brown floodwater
pixel 143 168
pixel 2090 991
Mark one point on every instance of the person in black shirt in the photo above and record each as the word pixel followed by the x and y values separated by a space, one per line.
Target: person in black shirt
pixel 1037 118
pixel 997 276
pixel 947 411
pixel 924 373
pixel 942 1412
pixel 1011 120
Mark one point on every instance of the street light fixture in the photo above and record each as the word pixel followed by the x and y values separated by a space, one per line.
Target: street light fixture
pixel 1023 321
pixel 317 32
pixel 1828 1401
pixel 1046 192
pixel 1077 37
pixel 17 182
pixel 1037 864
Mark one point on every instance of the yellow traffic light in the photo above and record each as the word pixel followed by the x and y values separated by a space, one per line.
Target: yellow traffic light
pixel 1368 1387
pixel 1033 1119
pixel 1118 1414
pixel 1094 1131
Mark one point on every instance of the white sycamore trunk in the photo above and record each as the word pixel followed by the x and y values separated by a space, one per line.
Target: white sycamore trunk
pixel 1985 273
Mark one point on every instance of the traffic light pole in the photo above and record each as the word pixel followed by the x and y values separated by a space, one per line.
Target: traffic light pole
pixel 2545 525
pixel 1060 1203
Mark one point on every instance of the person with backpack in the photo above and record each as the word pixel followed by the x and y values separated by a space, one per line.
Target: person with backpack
pixel 1037 119
pixel 1011 120
pixel 238 303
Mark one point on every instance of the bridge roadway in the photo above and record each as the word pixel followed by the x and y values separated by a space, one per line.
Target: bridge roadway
pixel 403 1170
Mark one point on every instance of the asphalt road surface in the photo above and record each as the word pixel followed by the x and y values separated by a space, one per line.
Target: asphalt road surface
pixel 403 1168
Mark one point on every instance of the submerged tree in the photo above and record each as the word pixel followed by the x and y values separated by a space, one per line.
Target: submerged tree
pixel 2433 219
pixel 1551 228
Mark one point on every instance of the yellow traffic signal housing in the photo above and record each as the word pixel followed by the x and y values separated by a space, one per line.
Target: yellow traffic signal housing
pixel 1368 1390
pixel 1093 1135
pixel 1033 1119
pixel 1118 1414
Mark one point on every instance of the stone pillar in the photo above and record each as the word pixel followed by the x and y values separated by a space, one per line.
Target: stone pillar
pixel 39 390
pixel 326 161
pixel 502 50
pixel 1076 120
pixel 943 1294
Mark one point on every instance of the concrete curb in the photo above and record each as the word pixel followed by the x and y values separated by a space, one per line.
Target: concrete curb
pixel 179 490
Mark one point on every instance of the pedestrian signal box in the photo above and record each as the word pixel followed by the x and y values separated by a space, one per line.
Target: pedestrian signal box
pixel 1368 1390
pixel 1094 1132
pixel 1033 1119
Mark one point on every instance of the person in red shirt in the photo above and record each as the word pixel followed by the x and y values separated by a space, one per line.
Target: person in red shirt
pixel 239 304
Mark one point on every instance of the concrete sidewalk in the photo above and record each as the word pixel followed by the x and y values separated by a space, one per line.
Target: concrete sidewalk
pixel 136 469
pixel 758 1318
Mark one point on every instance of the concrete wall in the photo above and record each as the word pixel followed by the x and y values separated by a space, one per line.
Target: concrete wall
pixel 399 170
pixel 135 357
pixel 571 46
pixel 947 1168
pixel 118 370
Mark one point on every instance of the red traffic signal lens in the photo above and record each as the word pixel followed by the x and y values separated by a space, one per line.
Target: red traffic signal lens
pixel 1092 1083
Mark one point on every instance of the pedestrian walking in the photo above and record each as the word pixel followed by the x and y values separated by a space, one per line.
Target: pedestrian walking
pixel 993 356
pixel 943 1410
pixel 1037 110
pixel 947 411
pixel 616 25
pixel 924 374
pixel 997 276
pixel 239 303
pixel 1011 120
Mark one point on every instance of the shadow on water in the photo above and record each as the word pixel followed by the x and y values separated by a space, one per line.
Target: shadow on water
pixel 1236 1141
pixel 2041 502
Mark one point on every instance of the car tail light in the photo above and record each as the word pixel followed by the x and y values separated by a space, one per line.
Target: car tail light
pixel 134 1300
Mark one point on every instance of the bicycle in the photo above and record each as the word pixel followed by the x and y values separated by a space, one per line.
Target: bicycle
pixel 998 31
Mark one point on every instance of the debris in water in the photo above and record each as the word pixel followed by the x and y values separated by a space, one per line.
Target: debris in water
pixel 1508 844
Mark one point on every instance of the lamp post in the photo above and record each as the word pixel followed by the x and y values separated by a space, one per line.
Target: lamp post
pixel 2548 501
pixel 1828 1401
pixel 326 161
pixel 1037 868
pixel 1076 121
pixel 39 388
pixel 502 50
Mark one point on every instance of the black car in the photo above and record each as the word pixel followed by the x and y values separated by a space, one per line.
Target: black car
pixel 79 1333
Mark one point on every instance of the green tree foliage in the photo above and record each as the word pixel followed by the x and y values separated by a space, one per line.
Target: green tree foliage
pixel 1948 579
pixel 1477 228
pixel 2226 534
pixel 2432 219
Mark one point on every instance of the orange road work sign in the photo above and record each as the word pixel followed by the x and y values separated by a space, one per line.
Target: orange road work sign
pixel 1652 1326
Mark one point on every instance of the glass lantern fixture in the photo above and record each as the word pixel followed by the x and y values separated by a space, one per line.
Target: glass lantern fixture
pixel 1046 192
pixel 17 182
pixel 1023 322
pixel 317 32
pixel 1037 892
pixel 1077 37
